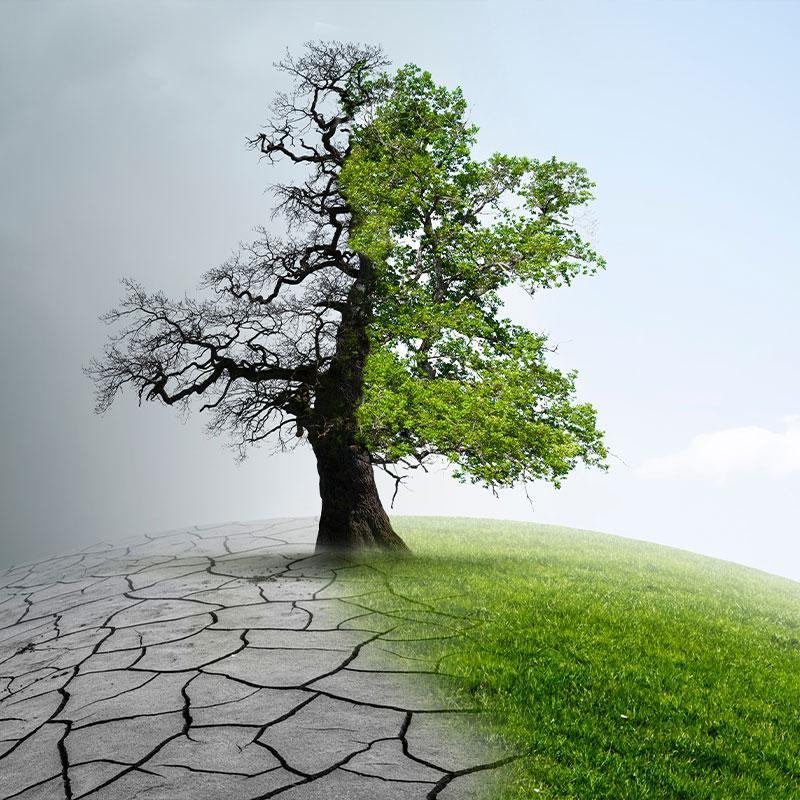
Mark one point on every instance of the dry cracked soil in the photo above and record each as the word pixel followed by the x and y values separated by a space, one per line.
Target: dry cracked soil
pixel 223 662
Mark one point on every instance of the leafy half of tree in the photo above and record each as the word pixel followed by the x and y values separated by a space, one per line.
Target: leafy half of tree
pixel 374 327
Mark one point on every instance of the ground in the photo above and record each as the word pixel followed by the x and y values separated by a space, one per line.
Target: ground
pixel 223 662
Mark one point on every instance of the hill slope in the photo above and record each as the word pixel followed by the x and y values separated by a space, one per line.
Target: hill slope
pixel 622 669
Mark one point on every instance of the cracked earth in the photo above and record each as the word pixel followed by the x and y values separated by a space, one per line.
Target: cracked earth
pixel 225 662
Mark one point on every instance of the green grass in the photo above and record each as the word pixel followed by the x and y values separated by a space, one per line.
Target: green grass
pixel 623 669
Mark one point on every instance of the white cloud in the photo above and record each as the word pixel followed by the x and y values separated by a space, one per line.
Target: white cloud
pixel 718 455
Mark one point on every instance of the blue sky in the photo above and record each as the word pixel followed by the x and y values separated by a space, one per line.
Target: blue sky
pixel 123 153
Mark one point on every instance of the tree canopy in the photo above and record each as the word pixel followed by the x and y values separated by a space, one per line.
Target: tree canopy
pixel 374 326
pixel 447 375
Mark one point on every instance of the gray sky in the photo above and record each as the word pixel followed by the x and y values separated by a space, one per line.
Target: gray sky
pixel 122 130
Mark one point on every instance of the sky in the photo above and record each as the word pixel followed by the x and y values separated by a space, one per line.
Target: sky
pixel 122 153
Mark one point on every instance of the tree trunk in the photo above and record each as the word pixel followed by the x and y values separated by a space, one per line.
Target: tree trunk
pixel 352 515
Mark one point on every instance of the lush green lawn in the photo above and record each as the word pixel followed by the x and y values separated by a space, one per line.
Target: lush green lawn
pixel 624 669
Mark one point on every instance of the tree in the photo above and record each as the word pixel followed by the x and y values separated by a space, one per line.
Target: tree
pixel 374 328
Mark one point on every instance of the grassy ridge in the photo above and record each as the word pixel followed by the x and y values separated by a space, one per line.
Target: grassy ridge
pixel 625 669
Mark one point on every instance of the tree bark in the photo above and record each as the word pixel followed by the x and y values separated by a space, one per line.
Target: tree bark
pixel 352 517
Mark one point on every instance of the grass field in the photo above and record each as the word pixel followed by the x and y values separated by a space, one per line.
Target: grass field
pixel 623 669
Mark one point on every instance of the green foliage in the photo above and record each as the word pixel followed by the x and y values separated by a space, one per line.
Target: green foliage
pixel 620 669
pixel 447 375
pixel 514 421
